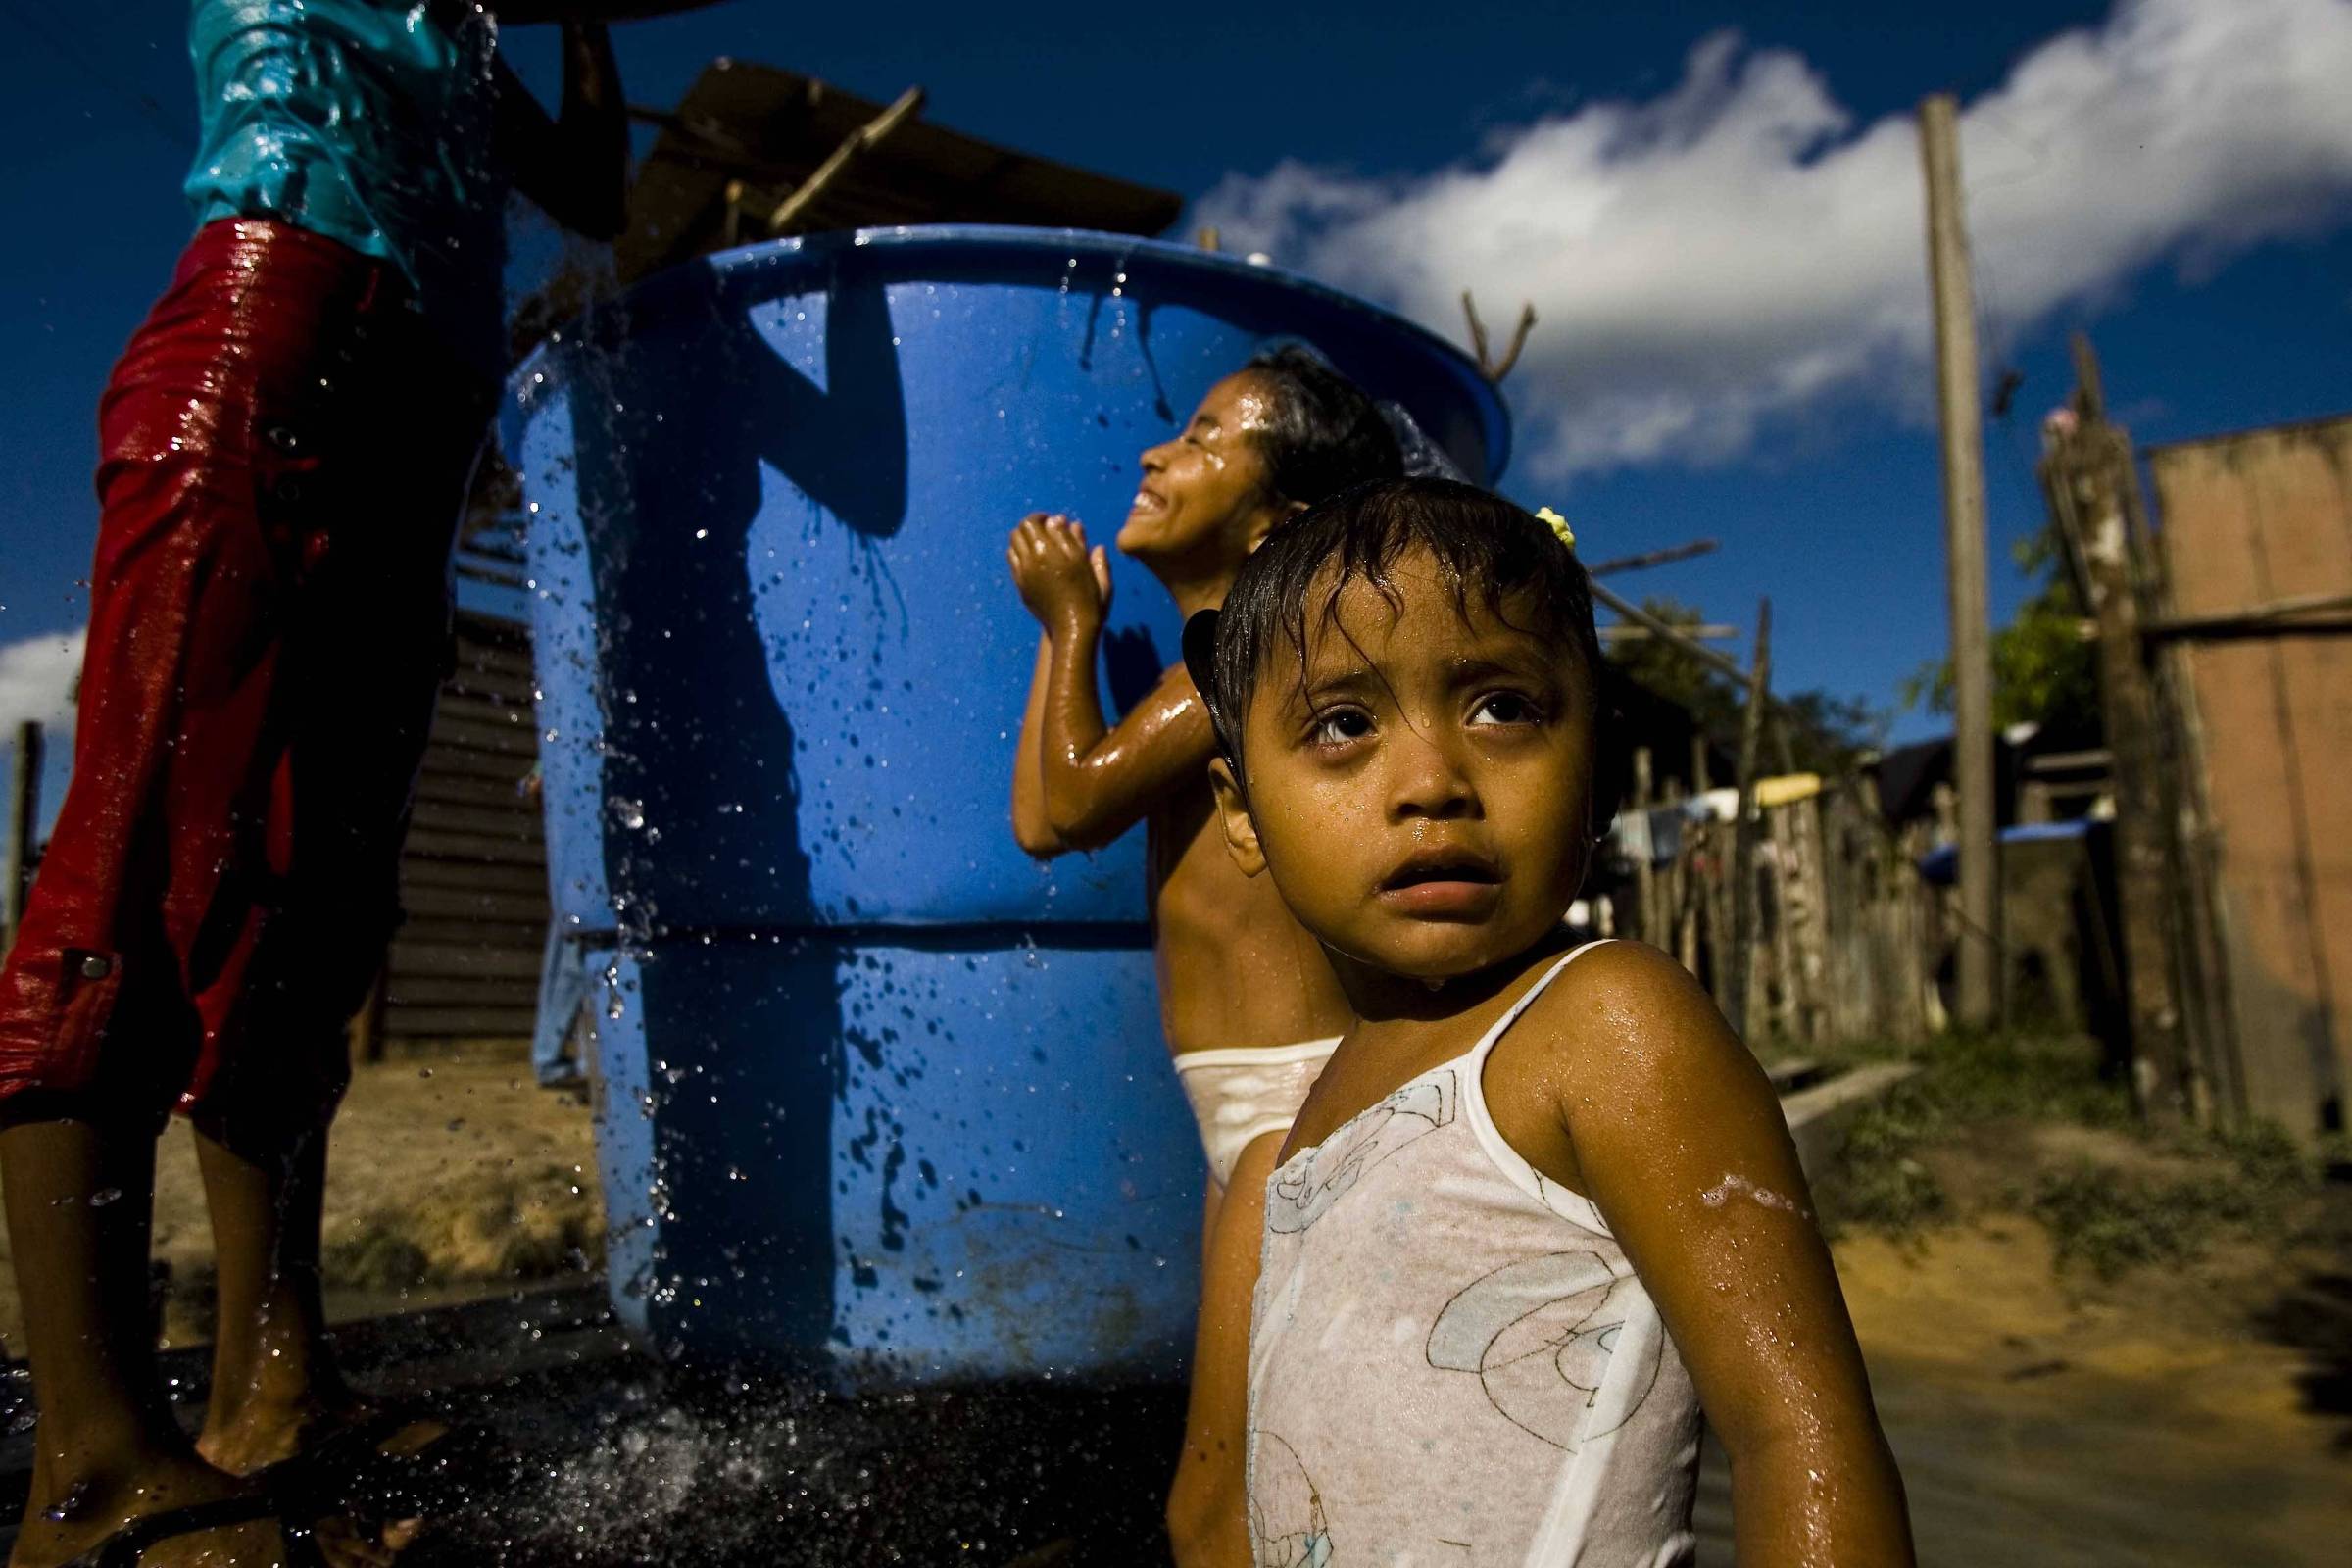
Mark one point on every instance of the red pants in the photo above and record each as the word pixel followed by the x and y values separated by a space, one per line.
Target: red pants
pixel 285 449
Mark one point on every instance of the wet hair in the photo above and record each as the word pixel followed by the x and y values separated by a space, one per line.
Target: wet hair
pixel 1322 433
pixel 1484 545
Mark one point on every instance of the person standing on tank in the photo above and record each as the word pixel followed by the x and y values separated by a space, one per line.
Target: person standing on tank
pixel 1247 1000
pixel 285 448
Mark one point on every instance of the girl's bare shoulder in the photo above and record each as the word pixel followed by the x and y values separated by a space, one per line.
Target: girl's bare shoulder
pixel 1628 1003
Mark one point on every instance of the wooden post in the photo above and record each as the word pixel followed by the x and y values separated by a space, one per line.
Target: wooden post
pixel 1977 988
pixel 1645 879
pixel 24 820
pixel 1738 960
pixel 1798 879
pixel 2087 475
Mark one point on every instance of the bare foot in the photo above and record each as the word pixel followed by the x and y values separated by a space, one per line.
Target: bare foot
pixel 55 1530
pixel 243 1436
pixel 260 1433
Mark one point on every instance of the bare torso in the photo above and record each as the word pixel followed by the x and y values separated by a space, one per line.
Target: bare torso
pixel 1235 968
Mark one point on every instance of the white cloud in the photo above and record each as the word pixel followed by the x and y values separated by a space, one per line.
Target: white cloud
pixel 37 677
pixel 1738 249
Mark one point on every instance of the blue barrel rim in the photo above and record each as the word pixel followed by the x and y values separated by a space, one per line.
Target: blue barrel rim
pixel 743 265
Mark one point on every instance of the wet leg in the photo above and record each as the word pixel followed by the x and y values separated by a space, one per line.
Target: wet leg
pixel 273 1374
pixel 106 1448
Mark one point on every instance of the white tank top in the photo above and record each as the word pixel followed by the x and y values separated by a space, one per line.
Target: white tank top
pixel 1450 1359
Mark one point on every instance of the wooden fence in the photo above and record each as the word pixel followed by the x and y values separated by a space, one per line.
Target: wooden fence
pixel 473 878
pixel 1847 935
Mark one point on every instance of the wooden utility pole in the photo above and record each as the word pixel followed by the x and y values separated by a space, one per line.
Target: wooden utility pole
pixel 1740 957
pixel 2088 479
pixel 24 818
pixel 1978 992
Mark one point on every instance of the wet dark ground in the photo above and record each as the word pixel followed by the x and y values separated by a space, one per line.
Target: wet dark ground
pixel 595 1456
pixel 626 1464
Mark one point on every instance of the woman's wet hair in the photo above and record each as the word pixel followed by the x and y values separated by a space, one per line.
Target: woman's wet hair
pixel 1322 433
pixel 1486 548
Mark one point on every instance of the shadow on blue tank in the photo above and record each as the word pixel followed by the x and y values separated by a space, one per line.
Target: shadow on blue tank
pixel 880 1092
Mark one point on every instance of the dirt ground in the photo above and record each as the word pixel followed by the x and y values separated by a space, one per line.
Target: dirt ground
pixel 2187 1410
pixel 2143 1424
pixel 446 1178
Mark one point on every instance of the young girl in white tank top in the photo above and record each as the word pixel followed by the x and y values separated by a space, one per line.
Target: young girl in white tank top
pixel 1540 1210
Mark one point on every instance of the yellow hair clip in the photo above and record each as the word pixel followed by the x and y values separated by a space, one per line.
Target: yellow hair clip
pixel 1557 524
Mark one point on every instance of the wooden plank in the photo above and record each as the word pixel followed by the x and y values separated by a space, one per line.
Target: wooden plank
pixel 512 688
pixel 454 731
pixel 487 961
pixel 445 1023
pixel 2212 536
pixel 469 787
pixel 417 871
pixel 466 761
pixel 518 820
pixel 491 636
pixel 494 849
pixel 476 708
pixel 443 931
pixel 448 903
pixel 458 991
pixel 2303 493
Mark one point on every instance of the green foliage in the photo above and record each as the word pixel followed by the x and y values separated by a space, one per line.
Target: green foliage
pixel 2107 1218
pixel 378 1257
pixel 1826 733
pixel 2112 1221
pixel 1880 1184
pixel 2044 672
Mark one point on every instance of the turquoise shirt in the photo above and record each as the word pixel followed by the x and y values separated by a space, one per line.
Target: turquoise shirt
pixel 368 122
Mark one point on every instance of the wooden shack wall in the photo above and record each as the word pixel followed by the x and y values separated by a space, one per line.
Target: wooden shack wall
pixel 473 877
pixel 2247 520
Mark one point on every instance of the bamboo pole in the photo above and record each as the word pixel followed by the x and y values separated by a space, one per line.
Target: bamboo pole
pixel 1652 557
pixel 855 146
pixel 1612 635
pixel 1977 991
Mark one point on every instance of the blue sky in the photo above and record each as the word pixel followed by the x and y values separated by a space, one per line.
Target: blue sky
pixel 1714 206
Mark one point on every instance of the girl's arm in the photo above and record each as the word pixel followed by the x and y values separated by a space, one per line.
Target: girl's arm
pixel 1678 1136
pixel 1030 829
pixel 1208 1505
pixel 1094 782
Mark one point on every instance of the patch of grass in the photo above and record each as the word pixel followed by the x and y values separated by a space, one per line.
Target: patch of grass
pixel 2112 1221
pixel 1977 1078
pixel 509 1226
pixel 1879 1182
pixel 2103 1218
pixel 377 1256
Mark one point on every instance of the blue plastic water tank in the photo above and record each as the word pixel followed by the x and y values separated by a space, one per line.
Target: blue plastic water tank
pixel 880 1092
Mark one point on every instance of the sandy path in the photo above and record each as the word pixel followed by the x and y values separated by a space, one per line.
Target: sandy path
pixel 2140 1426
